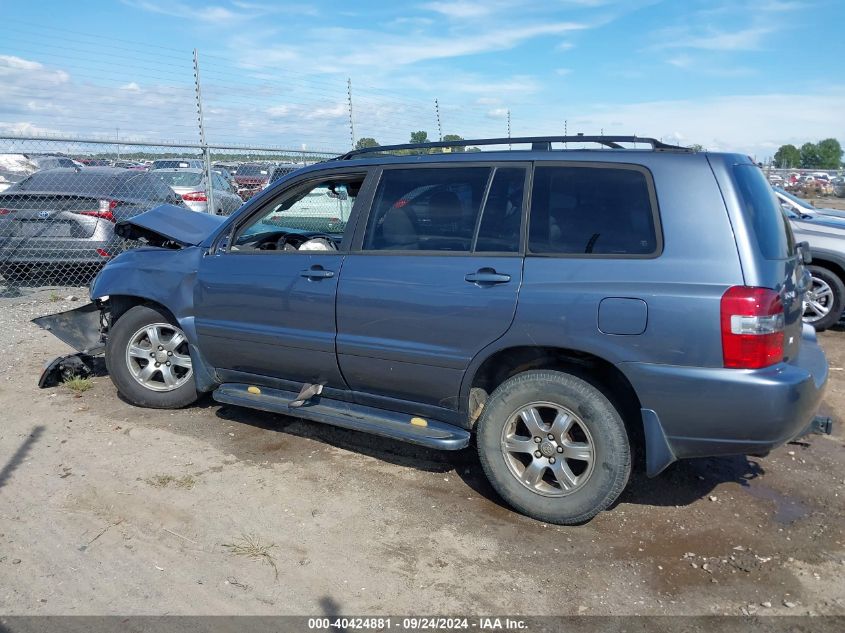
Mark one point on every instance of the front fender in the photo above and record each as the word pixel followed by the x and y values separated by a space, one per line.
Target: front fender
pixel 163 276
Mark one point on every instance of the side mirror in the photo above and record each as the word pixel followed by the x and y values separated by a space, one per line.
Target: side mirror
pixel 803 249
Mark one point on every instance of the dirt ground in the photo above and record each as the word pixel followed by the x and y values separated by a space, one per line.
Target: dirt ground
pixel 110 509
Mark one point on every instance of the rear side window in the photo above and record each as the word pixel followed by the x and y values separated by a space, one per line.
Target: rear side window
pixel 427 209
pixel 763 213
pixel 601 211
pixel 502 217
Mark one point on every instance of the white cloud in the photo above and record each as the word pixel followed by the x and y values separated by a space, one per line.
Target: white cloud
pixel 131 87
pixel 562 72
pixel 681 61
pixel 17 63
pixel 210 14
pixel 741 123
pixel 497 114
pixel 461 8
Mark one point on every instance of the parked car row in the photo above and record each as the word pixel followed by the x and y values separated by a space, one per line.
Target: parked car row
pixel 815 184
pixel 824 230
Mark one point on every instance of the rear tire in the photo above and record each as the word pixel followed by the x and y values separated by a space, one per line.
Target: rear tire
pixel 554 447
pixel 147 363
pixel 830 287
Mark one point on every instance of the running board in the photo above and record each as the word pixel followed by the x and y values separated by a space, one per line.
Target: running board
pixel 414 430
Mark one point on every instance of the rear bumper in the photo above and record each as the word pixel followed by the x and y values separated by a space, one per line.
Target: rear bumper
pixel 701 412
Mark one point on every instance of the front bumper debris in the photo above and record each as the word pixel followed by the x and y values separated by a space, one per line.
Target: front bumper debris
pixel 81 328
pixel 84 330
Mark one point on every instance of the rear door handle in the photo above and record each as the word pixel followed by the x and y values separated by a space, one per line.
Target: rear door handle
pixel 487 277
pixel 316 272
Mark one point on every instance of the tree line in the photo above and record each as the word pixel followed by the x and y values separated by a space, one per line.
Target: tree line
pixel 420 136
pixel 826 154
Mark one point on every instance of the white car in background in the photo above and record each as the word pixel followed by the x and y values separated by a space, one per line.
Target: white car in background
pixel 14 168
pixel 190 185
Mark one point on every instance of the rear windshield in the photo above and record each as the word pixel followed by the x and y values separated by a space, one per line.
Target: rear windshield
pixel 71 182
pixel 253 170
pixel 175 164
pixel 762 212
pixel 179 178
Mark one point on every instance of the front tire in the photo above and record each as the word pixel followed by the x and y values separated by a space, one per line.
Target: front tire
pixel 554 447
pixel 148 360
pixel 825 300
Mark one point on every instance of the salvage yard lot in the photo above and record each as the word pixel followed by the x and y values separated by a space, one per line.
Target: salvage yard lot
pixel 107 508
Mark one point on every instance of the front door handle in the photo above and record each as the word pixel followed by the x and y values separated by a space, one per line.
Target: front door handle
pixel 316 272
pixel 487 277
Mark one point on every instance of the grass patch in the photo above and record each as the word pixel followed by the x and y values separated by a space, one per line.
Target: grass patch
pixel 252 547
pixel 54 297
pixel 163 481
pixel 78 384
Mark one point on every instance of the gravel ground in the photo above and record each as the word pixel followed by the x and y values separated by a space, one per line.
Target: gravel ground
pixel 110 509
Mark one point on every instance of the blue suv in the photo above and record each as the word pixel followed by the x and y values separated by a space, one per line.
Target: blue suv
pixel 565 307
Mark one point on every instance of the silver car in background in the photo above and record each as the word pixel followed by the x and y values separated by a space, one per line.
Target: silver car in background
pixel 190 185
pixel 60 223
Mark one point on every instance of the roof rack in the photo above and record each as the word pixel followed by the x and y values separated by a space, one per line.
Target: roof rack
pixel 538 143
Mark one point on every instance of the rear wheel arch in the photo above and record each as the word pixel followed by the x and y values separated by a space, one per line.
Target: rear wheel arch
pixel 835 267
pixel 602 374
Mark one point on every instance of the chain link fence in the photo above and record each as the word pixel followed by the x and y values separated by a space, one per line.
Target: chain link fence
pixel 61 198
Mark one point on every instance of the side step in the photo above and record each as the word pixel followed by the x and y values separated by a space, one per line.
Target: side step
pixel 429 433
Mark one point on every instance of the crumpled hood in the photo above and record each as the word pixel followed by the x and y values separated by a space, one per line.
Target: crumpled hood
pixel 169 225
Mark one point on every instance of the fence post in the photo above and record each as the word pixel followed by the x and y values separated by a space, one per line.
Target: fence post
pixel 349 99
pixel 509 127
pixel 209 187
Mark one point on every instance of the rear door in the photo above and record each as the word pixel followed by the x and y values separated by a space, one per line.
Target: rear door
pixel 433 279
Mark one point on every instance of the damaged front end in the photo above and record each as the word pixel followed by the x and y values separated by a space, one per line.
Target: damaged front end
pixel 161 271
pixel 84 329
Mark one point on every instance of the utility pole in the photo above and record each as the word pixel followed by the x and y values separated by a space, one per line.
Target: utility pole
pixel 349 100
pixel 509 127
pixel 209 189
pixel 117 141
pixel 565 132
pixel 437 112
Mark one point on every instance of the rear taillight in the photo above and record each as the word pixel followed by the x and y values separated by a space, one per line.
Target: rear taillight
pixel 195 196
pixel 5 212
pixel 105 212
pixel 752 327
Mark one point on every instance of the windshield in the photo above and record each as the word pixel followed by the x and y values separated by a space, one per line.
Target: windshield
pixel 179 178
pixel 798 201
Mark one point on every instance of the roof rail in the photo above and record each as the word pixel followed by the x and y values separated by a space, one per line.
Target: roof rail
pixel 537 143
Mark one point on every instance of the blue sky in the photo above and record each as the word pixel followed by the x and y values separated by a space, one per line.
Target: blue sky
pixel 739 75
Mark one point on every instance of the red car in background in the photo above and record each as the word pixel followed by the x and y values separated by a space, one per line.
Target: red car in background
pixel 251 178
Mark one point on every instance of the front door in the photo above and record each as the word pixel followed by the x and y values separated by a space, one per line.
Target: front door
pixel 265 300
pixel 433 279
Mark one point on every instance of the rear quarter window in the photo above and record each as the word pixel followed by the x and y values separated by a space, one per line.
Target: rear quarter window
pixel 768 225
pixel 592 210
